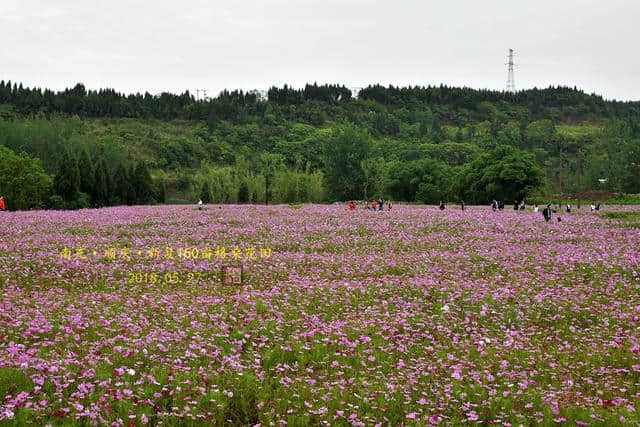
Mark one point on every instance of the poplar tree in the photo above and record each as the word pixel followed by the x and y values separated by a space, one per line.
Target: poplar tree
pixel 143 184
pixel 85 168
pixel 100 193
pixel 67 180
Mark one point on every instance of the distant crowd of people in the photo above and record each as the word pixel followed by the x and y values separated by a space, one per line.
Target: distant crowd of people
pixel 547 212
pixel 375 205
pixel 378 205
pixel 496 205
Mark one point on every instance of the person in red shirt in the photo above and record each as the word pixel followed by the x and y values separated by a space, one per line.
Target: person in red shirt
pixel 352 206
pixel 1 203
pixel 389 205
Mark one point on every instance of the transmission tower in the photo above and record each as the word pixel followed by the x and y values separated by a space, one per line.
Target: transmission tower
pixel 511 82
pixel 355 91
pixel 204 91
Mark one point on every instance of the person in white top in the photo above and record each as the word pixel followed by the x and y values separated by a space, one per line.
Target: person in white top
pixel 200 204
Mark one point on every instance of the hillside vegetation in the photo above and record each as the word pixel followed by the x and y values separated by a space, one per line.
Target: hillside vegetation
pixel 317 144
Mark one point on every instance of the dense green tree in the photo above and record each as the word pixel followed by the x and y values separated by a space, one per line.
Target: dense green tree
pixel 205 194
pixel 620 161
pixel 143 184
pixel 132 195
pixel 67 179
pixel 506 174
pixel 344 154
pixel 540 132
pixel 122 186
pixel 270 164
pixel 437 134
pixel 243 193
pixel 424 180
pixel 631 171
pixel 459 135
pixel 85 168
pixel 23 182
pixel 509 134
pixel 375 171
pixel 160 195
pixel 100 194
pixel 451 153
pixel 111 186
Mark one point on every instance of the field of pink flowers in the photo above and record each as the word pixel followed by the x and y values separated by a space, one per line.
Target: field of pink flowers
pixel 412 316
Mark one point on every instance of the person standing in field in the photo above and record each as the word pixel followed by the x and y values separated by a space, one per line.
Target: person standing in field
pixel 380 205
pixel 1 203
pixel 547 213
pixel 462 204
pixel 494 205
pixel 389 205
pixel 200 204
pixel 441 206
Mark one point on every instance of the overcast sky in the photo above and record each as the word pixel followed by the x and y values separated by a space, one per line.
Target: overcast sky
pixel 161 45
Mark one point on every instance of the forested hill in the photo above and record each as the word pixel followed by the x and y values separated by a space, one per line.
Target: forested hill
pixel 320 143
pixel 316 104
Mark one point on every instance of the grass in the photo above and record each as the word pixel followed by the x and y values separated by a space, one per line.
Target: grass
pixel 79 231
pixel 624 199
pixel 13 381
pixel 625 216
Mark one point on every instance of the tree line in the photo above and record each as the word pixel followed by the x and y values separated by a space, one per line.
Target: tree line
pixel 81 183
pixel 451 103
pixel 78 183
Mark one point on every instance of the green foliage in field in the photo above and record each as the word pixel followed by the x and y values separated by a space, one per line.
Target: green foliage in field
pixel 23 182
pixel 503 173
pixel 627 216
pixel 625 199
